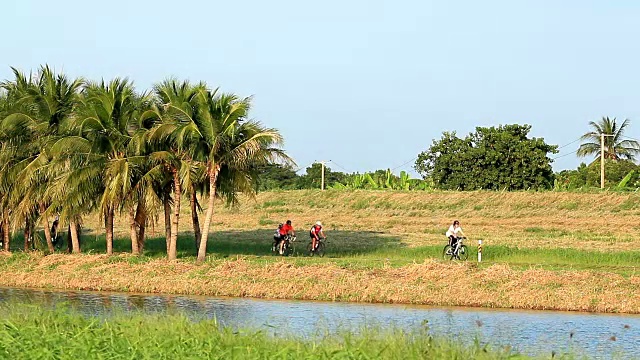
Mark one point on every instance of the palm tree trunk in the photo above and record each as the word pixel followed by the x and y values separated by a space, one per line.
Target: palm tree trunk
pixel 69 247
pixel 167 219
pixel 108 224
pixel 134 232
pixel 141 237
pixel 194 216
pixel 141 221
pixel 202 250
pixel 75 239
pixel 177 188
pixel 47 229
pixel 27 234
pixel 5 230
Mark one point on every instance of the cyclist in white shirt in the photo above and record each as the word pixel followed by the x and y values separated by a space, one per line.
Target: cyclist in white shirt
pixel 454 233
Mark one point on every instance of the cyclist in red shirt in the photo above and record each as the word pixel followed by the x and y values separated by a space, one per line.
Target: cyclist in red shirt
pixel 286 229
pixel 316 233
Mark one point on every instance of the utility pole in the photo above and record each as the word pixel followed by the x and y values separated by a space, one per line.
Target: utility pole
pixel 322 181
pixel 602 159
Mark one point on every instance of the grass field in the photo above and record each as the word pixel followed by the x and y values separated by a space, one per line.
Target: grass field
pixel 548 250
pixel 30 332
pixel 550 229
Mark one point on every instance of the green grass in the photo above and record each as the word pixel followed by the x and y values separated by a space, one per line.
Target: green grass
pixel 371 250
pixel 623 262
pixel 32 332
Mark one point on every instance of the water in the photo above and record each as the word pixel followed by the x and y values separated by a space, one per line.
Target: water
pixel 598 336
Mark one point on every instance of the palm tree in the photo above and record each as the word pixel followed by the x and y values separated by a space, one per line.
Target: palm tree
pixel 230 145
pixel 179 103
pixel 44 103
pixel 8 156
pixel 105 125
pixel 615 148
pixel 73 148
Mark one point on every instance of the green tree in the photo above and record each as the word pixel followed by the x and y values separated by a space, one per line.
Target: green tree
pixel 181 106
pixel 490 158
pixel 73 148
pixel 589 175
pixel 218 133
pixel 615 146
pixel 275 177
pixel 105 126
pixel 45 105
pixel 313 177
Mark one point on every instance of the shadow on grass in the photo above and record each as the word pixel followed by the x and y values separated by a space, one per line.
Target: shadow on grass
pixel 254 242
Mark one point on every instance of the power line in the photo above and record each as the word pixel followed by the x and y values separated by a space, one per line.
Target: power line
pixel 304 167
pixel 567 154
pixel 399 166
pixel 573 142
pixel 340 166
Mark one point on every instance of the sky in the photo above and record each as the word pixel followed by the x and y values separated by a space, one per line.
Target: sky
pixel 365 84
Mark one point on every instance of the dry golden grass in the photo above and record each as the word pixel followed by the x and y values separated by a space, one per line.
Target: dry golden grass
pixel 386 223
pixel 601 221
pixel 593 221
pixel 430 282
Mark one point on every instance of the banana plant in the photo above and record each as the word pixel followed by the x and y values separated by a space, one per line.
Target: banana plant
pixel 404 181
pixel 623 183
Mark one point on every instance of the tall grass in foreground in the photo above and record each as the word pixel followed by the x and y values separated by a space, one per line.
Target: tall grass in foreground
pixel 31 332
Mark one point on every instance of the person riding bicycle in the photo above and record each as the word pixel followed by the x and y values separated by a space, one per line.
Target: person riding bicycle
pixel 277 237
pixel 54 230
pixel 316 234
pixel 284 230
pixel 454 233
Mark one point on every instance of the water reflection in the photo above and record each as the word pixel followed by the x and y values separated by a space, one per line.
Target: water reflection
pixel 531 332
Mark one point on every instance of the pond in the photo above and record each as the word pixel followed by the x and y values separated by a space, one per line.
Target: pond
pixel 598 336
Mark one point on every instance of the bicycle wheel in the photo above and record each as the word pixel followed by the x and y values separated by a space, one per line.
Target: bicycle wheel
pixel 463 253
pixel 289 251
pixel 320 249
pixel 447 252
pixel 311 253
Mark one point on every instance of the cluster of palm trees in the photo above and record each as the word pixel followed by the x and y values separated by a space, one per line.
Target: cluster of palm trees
pixel 70 147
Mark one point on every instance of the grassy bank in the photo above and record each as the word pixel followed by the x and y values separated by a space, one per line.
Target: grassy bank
pixel 562 251
pixel 29 332
pixel 431 282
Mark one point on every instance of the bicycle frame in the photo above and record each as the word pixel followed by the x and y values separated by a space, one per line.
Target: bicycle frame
pixel 458 246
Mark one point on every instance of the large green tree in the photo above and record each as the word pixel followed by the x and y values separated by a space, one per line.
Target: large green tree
pixel 497 158
pixel 616 146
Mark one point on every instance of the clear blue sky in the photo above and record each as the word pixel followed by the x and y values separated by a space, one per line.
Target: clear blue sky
pixel 368 84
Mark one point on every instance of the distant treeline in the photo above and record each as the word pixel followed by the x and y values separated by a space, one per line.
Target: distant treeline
pixel 619 175
pixel 274 177
pixel 495 158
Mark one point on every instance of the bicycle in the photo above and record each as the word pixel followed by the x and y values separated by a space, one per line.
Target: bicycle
pixel 460 252
pixel 287 246
pixel 319 250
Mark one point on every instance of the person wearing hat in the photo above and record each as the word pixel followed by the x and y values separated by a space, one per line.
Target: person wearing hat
pixel 316 233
